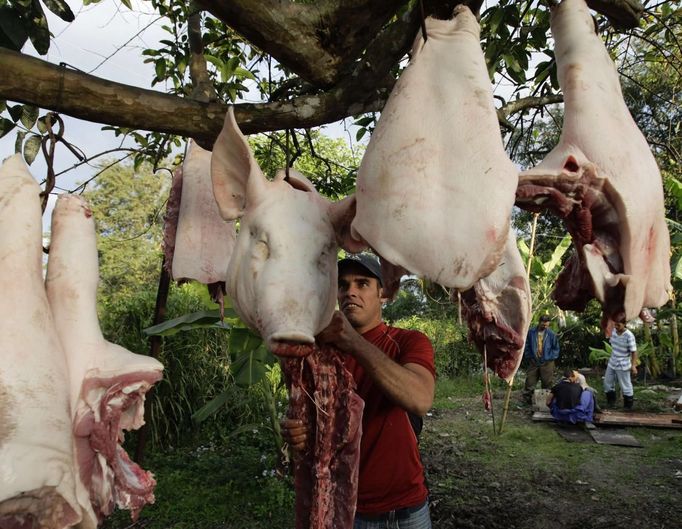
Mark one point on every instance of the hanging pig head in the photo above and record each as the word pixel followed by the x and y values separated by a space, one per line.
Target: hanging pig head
pixel 282 276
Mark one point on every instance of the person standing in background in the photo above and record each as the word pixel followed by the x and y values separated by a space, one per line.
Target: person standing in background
pixel 540 352
pixel 621 364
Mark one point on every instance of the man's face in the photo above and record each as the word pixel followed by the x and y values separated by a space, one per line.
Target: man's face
pixel 543 325
pixel 620 327
pixel 359 297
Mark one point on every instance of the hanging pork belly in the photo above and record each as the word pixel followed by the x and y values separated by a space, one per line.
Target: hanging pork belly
pixel 37 482
pixel 435 187
pixel 602 179
pixel 498 310
pixel 108 382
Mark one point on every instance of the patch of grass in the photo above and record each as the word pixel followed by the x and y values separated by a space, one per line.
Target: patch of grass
pixel 235 486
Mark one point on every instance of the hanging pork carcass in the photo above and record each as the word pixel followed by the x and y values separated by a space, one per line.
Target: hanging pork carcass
pixel 37 482
pixel 498 310
pixel 108 382
pixel 203 239
pixel 602 179
pixel 435 187
pixel 282 280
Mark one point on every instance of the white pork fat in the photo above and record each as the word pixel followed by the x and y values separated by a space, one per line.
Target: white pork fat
pixel 108 382
pixel 203 240
pixel 37 482
pixel 435 187
pixel 602 179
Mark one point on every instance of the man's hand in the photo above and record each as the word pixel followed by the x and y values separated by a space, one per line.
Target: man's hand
pixel 633 370
pixel 295 433
pixel 340 333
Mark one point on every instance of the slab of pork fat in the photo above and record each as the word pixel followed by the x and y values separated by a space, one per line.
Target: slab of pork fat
pixel 108 382
pixel 37 482
pixel 435 187
pixel 602 179
pixel 203 240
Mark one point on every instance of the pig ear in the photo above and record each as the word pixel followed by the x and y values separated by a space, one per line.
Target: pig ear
pixel 237 179
pixel 295 180
pixel 342 214
pixel 391 275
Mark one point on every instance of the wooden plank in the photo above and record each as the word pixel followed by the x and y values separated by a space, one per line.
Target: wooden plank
pixel 653 420
pixel 542 416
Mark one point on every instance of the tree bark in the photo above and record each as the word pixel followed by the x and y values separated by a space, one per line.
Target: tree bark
pixel 318 41
pixel 36 82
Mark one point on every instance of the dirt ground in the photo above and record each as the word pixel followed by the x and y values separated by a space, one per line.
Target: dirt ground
pixel 530 477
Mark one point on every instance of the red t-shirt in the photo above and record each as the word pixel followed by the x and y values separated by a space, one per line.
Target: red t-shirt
pixel 391 472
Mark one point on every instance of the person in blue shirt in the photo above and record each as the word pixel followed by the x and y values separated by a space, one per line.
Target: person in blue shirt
pixel 540 352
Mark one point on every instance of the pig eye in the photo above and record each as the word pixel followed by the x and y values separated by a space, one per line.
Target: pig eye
pixel 261 250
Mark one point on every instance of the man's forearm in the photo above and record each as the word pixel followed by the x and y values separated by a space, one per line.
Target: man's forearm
pixel 410 387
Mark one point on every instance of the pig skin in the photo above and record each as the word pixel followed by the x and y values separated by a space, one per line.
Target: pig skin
pixel 498 311
pixel 108 382
pixel 435 187
pixel 602 179
pixel 203 240
pixel 282 276
pixel 37 482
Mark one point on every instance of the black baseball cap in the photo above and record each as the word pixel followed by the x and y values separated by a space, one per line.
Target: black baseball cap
pixel 367 261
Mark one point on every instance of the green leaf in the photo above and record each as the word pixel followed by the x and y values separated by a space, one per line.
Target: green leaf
pixel 6 125
pixel 61 9
pixel 32 147
pixel 39 32
pixel 677 270
pixel 19 142
pixel 29 115
pixel 188 322
pixel 160 69
pixel 249 356
pixel 211 407
pixel 557 254
pixel 42 125
pixel 127 4
pixel 13 34
pixel 15 112
pixel 243 73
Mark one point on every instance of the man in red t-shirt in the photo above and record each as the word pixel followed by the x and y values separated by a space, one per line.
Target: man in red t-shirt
pixel 395 375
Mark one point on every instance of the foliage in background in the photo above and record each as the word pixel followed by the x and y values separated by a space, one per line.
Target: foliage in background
pixel 128 208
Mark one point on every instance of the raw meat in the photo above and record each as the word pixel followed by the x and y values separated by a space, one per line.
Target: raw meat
pixel 322 395
pixel 498 310
pixel 108 382
pixel 602 180
pixel 203 240
pixel 37 482
pixel 435 187
pixel 282 280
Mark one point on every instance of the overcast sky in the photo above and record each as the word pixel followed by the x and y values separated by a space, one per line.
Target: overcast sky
pixel 90 44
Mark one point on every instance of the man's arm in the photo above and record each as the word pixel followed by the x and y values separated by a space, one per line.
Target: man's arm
pixel 549 399
pixel 410 386
pixel 633 353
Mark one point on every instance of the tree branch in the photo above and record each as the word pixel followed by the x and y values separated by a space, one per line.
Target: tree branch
pixel 623 14
pixel 33 81
pixel 318 41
